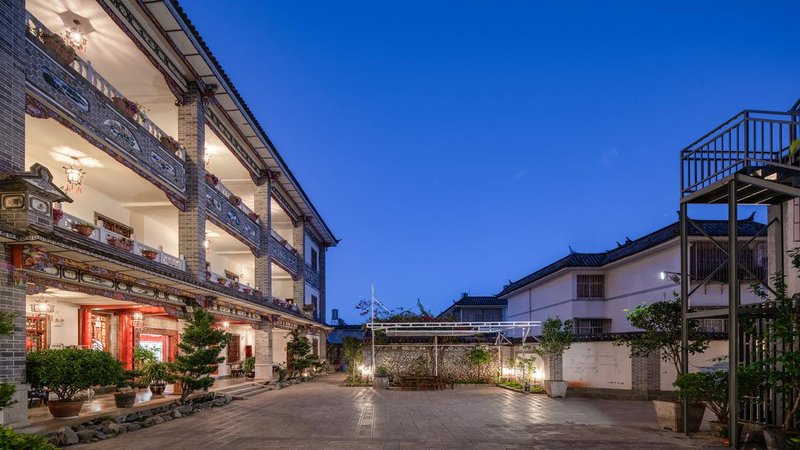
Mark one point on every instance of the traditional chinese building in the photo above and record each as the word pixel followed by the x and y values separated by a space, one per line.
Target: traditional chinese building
pixel 136 186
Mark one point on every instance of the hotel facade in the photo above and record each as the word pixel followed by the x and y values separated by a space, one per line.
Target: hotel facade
pixel 137 186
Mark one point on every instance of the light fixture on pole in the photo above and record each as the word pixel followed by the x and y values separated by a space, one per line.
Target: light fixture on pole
pixel 75 37
pixel 74 176
pixel 675 277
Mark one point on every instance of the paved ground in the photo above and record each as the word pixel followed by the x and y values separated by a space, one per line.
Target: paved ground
pixel 322 414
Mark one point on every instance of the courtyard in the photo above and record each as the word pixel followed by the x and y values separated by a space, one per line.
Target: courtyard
pixel 323 414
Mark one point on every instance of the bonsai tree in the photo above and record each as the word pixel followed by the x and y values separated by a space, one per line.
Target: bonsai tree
pixel 711 388
pixel 200 346
pixel 557 337
pixel 660 323
pixel 479 358
pixel 155 373
pixel 353 352
pixel 68 371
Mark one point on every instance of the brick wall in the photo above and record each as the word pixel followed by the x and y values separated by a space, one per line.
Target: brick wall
pixel 323 308
pixel 299 243
pixel 192 222
pixel 263 263
pixel 646 372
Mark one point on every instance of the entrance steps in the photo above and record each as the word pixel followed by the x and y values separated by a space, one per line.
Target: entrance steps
pixel 244 390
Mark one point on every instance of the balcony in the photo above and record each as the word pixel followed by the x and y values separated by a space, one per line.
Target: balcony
pixel 753 144
pixel 103 235
pixel 283 253
pixel 231 213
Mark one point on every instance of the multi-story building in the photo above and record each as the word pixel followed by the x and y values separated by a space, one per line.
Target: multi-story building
pixel 471 308
pixel 136 185
pixel 597 289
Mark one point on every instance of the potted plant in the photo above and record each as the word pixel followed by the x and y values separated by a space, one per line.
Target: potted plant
pixel 557 336
pixel 68 371
pixel 249 367
pixel 156 374
pixel 711 388
pixel 170 143
pixel 660 323
pixel 58 214
pixel 121 243
pixel 254 217
pixel 150 254
pixel 200 346
pixel 84 228
pixel 381 380
pixel 131 109
pixel 212 179
pixel 125 396
pixel 60 49
pixel 235 199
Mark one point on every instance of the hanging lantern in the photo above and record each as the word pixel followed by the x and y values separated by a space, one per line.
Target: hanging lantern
pixel 75 37
pixel 74 177
pixel 42 307
pixel 138 319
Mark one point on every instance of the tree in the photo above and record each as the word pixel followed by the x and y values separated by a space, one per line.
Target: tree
pixel 353 352
pixel 479 358
pixel 70 370
pixel 200 346
pixel 557 337
pixel 660 323
pixel 299 353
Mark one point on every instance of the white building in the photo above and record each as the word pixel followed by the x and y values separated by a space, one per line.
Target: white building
pixel 596 289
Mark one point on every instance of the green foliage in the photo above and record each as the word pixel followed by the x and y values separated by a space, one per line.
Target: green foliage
pixel 6 323
pixel 7 391
pixel 128 379
pixel 526 364
pixel 711 388
pixel 282 371
pixel 422 314
pixel 70 370
pixel 143 356
pixel 12 440
pixel 557 336
pixel 299 352
pixel 249 364
pixel 783 365
pixel 661 325
pixel 794 146
pixel 479 356
pixel 200 346
pixel 353 352
pixel 382 371
pixel 155 372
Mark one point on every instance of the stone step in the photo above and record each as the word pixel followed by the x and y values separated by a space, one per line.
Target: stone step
pixel 240 392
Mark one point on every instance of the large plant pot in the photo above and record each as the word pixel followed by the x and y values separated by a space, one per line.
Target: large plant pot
pixel 555 388
pixel 124 399
pixel 158 389
pixel 380 383
pixel 61 409
pixel 670 417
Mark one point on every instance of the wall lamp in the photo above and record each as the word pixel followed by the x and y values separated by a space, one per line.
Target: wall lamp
pixel 674 276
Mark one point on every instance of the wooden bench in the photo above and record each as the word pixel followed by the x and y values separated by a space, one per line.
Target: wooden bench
pixel 421 383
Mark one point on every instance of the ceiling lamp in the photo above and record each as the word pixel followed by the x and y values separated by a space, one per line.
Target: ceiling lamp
pixel 74 177
pixel 42 307
pixel 75 37
pixel 138 319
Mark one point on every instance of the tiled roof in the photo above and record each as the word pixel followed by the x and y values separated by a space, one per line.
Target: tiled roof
pixel 747 227
pixel 470 300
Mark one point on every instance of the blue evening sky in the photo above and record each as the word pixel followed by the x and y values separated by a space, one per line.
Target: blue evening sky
pixel 455 145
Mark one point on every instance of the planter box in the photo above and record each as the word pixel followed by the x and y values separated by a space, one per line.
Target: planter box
pixel 380 383
pixel 670 417
pixel 555 388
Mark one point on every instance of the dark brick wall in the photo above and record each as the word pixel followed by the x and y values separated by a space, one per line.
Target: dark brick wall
pixel 192 222
pixel 12 298
pixel 263 263
pixel 12 86
pixel 646 372
pixel 299 242
pixel 323 308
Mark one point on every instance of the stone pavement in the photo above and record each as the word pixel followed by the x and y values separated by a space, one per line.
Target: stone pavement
pixel 321 414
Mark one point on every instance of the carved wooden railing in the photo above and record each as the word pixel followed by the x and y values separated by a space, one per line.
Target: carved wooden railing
pixel 108 237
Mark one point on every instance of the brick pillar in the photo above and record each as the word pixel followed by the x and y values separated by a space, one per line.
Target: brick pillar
pixel 323 345
pixel 12 159
pixel 554 367
pixel 262 350
pixel 192 222
pixel 323 308
pixel 299 242
pixel 263 263
pixel 646 374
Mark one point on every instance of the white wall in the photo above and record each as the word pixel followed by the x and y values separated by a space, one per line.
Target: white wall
pixel 246 337
pixel 705 359
pixel 279 341
pixel 90 200
pixel 549 299
pixel 155 233
pixel 597 365
pixel 66 334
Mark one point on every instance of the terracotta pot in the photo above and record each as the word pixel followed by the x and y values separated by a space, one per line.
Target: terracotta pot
pixel 150 254
pixel 61 409
pixel 63 52
pixel 124 399
pixel 84 230
pixel 177 387
pixel 158 388
pixel 120 244
pixel 670 416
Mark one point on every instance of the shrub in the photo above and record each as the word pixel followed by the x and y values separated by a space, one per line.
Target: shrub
pixel 382 371
pixel 11 440
pixel 711 388
pixel 352 350
pixel 7 391
pixel 479 356
pixel 249 364
pixel 299 352
pixel 200 346
pixel 68 371
pixel 155 372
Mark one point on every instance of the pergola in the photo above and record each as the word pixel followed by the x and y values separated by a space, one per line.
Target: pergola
pixel 447 329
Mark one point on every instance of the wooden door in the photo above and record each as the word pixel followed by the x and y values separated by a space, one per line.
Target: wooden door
pixel 233 349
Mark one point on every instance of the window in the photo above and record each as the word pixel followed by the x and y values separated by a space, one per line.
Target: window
pixel 314 260
pixel 591 286
pixel 705 258
pixel 592 326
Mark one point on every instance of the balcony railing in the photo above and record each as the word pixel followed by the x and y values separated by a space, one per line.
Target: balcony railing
pixel 108 237
pixel 749 139
pixel 217 184
pixel 85 69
